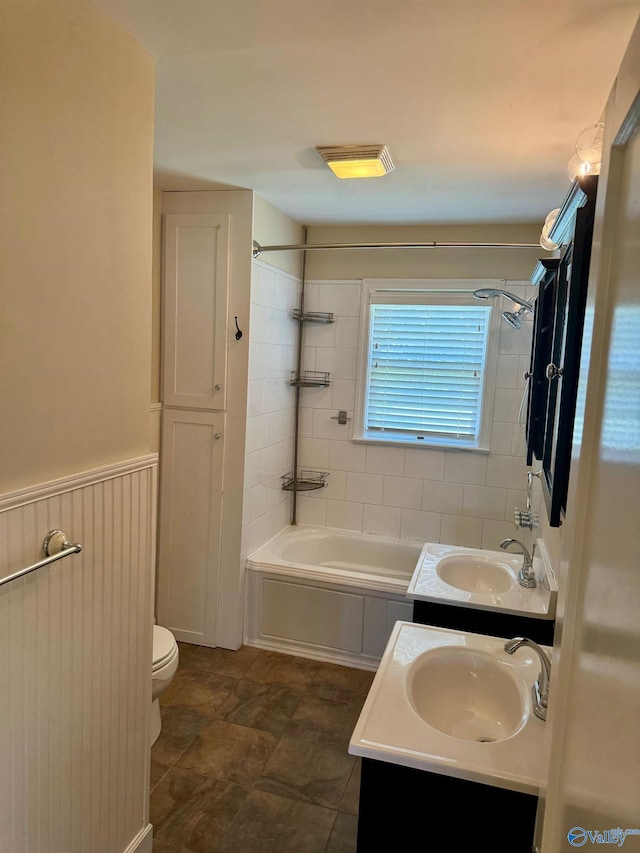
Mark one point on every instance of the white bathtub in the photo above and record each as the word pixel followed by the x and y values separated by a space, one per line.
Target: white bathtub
pixel 328 594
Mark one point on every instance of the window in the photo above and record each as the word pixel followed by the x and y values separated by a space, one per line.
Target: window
pixel 427 367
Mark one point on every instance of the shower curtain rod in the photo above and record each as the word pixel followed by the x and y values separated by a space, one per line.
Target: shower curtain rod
pixel 302 247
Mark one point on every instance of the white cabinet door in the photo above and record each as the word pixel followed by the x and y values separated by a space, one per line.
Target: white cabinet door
pixel 196 294
pixel 190 522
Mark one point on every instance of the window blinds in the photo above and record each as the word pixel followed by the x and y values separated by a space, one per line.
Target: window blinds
pixel 426 370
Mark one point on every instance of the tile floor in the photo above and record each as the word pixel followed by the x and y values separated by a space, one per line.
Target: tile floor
pixel 252 757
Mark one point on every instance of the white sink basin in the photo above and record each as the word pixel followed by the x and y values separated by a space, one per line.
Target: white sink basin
pixel 455 703
pixel 486 580
pixel 475 574
pixel 466 693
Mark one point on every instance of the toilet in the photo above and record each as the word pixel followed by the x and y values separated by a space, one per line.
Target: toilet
pixel 165 664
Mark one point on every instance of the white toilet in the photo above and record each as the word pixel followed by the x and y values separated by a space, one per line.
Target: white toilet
pixel 165 664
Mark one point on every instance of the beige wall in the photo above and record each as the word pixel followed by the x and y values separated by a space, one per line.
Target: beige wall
pixel 271 227
pixel 156 286
pixel 75 241
pixel 514 264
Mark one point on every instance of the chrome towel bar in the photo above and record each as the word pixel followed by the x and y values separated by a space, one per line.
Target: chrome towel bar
pixel 55 547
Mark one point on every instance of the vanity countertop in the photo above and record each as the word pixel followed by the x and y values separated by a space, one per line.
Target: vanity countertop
pixel 427 584
pixel 391 728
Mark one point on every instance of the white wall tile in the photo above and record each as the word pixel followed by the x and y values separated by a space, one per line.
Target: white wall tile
pixel 343 299
pixel 317 398
pixel 462 467
pixel 423 463
pixel 461 530
pixel 347 332
pixel 402 492
pixel 252 469
pixel 484 502
pixel 324 425
pixel 320 334
pixel 305 423
pixel 501 437
pixel 523 367
pixel 344 514
pixel 311 510
pixel 343 394
pixel 365 488
pixel 313 452
pixel 423 526
pixel 445 493
pixel 311 292
pixel 385 460
pixel 383 520
pixel 438 496
pixel 281 425
pixel 347 455
pixel 507 405
pixel 514 341
pixel 340 362
pixel 507 371
pixel 493 532
pixel 515 499
pixel 255 398
pixel 335 488
pixel 518 441
pixel 507 472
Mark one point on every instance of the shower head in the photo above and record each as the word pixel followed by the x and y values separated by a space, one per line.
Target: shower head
pixel 492 293
pixel 513 318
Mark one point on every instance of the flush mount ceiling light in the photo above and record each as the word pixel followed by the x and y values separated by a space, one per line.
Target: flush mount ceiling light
pixel 357 161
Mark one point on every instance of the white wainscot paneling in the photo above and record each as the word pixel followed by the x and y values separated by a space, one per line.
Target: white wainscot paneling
pixel 75 667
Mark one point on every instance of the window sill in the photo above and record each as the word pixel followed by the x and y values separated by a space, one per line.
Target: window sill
pixel 423 445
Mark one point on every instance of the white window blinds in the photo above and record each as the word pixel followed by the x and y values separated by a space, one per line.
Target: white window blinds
pixel 426 366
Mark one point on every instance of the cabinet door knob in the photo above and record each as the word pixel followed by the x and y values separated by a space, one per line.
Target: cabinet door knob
pixel 217 435
pixel 217 387
pixel 553 372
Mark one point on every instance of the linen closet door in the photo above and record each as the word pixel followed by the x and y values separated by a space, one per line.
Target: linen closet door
pixel 195 331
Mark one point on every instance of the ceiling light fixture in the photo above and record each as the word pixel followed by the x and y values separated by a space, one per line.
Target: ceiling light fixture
pixel 357 161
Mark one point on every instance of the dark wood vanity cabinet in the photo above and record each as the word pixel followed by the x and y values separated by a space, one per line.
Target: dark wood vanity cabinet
pixel 403 808
pixel 557 345
pixel 489 622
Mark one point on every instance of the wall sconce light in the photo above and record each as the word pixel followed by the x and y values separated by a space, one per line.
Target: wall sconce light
pixel 357 161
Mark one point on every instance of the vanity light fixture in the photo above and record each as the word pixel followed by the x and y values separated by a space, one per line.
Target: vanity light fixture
pixel 357 161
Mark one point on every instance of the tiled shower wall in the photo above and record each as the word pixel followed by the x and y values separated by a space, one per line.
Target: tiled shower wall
pixel 270 406
pixel 457 497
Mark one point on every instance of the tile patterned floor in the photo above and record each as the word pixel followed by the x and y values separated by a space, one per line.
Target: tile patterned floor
pixel 252 757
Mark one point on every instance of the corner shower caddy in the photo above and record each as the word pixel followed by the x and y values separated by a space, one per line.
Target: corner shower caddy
pixel 307 480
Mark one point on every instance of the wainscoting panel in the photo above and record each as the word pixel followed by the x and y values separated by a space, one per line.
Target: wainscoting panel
pixel 75 663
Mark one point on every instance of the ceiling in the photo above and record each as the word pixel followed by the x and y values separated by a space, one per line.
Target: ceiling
pixel 479 101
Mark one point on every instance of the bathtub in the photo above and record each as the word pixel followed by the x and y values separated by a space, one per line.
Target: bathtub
pixel 328 594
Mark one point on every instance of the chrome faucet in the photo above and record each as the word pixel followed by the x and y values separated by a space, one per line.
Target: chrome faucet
pixel 526 575
pixel 540 687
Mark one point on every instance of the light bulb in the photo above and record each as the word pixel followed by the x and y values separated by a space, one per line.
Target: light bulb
pixel 577 168
pixel 589 144
pixel 547 244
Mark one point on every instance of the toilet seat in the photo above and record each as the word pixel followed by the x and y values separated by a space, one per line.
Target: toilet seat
pixel 165 647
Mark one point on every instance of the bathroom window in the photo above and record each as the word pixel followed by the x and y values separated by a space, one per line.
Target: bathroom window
pixel 427 367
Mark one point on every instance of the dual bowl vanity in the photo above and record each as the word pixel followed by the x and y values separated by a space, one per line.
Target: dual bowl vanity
pixel 454 750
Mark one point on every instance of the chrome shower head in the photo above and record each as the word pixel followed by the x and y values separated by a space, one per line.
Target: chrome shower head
pixel 492 293
pixel 513 318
